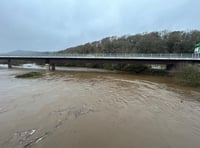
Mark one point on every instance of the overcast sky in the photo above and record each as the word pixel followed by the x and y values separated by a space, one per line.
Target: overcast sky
pixel 50 25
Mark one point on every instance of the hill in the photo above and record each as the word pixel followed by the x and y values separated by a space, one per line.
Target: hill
pixel 24 53
pixel 153 42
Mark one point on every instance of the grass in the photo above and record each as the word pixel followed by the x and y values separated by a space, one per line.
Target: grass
pixel 30 75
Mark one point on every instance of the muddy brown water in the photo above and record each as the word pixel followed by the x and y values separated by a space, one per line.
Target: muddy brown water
pixel 96 110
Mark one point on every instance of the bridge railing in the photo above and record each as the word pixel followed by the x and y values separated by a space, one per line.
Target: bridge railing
pixel 133 55
pixel 115 55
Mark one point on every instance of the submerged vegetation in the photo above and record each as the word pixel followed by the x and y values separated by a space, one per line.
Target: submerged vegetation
pixel 188 74
pixel 30 75
pixel 129 68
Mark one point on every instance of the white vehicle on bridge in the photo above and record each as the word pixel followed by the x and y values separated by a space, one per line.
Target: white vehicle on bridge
pixel 197 49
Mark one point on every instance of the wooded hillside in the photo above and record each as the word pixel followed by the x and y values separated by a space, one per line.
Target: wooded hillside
pixel 154 42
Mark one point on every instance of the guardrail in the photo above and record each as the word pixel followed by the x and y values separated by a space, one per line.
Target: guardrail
pixel 113 55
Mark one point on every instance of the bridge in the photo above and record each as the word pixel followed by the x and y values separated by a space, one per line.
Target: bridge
pixel 137 58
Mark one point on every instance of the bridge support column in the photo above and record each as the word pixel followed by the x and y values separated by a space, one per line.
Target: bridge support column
pixel 9 63
pixel 170 67
pixel 52 67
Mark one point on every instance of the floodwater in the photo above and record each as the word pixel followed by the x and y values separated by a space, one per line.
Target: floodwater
pixel 96 110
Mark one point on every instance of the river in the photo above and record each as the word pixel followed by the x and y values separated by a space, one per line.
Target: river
pixel 82 109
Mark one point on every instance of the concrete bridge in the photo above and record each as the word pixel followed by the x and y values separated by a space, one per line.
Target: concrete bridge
pixel 52 59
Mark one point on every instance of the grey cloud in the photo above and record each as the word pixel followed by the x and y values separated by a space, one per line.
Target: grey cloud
pixel 48 25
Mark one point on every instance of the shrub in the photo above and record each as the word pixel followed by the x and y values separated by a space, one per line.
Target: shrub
pixel 188 74
pixel 29 75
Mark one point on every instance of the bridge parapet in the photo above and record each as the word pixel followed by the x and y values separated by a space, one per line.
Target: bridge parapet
pixel 112 56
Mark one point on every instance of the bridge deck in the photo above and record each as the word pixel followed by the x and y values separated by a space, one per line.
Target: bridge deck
pixel 107 56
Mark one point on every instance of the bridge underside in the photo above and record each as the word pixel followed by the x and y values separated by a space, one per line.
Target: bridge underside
pixel 99 60
pixel 53 61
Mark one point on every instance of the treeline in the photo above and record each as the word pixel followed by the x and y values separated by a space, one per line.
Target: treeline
pixel 154 42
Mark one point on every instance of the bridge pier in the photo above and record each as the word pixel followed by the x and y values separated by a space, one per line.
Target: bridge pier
pixel 9 63
pixel 53 67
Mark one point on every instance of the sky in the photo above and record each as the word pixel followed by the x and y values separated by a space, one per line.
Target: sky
pixel 53 25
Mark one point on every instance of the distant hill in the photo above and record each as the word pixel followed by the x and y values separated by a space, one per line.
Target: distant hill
pixel 25 53
pixel 154 42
